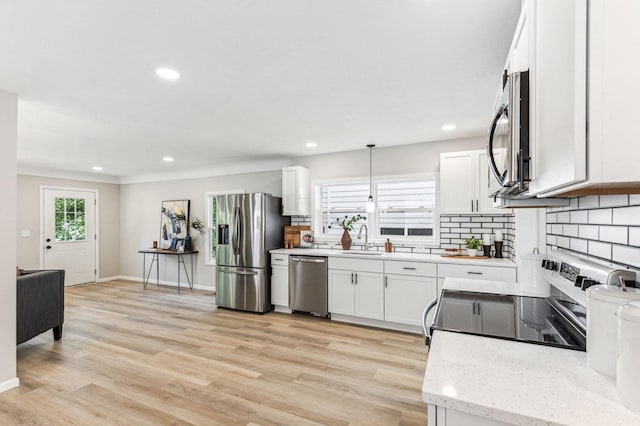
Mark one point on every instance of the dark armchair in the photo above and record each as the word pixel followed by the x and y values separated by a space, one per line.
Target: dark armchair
pixel 40 304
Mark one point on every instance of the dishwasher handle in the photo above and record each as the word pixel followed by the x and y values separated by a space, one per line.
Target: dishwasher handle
pixel 308 260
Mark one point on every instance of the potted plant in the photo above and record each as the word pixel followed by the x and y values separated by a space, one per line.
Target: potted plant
pixel 196 224
pixel 346 224
pixel 472 244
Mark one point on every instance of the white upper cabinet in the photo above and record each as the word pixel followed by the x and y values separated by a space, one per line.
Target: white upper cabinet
pixel 464 183
pixel 584 114
pixel 295 191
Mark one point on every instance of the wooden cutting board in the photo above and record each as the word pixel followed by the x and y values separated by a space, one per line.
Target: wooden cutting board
pixel 292 235
pixel 464 257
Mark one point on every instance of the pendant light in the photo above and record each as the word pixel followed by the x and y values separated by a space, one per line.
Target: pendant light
pixel 371 205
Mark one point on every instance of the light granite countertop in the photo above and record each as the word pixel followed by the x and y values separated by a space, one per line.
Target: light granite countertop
pixel 516 382
pixel 415 257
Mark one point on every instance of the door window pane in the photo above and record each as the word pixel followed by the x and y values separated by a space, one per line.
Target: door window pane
pixel 70 219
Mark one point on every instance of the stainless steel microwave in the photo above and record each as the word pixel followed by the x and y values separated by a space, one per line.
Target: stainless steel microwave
pixel 508 146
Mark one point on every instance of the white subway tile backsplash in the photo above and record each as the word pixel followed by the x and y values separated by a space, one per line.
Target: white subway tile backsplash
pixel 588 231
pixel 614 234
pixel 564 242
pixel 605 226
pixel 460 219
pixel 599 249
pixel 579 216
pixel 627 216
pixel 588 202
pixel 481 219
pixel 634 237
pixel 626 255
pixel 601 216
pixel 614 200
pixel 570 230
pixel 578 245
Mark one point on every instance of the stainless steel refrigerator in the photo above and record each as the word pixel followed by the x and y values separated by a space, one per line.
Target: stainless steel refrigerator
pixel 249 225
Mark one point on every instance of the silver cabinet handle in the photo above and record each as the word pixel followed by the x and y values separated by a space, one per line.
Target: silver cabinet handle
pixel 477 205
pixel 352 278
pixel 474 273
pixel 279 259
pixel 479 314
pixel 473 308
pixel 385 281
pixel 356 281
pixel 471 205
pixel 408 269
pixel 425 313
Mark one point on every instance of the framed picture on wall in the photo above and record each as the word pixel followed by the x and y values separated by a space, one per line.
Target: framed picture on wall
pixel 174 221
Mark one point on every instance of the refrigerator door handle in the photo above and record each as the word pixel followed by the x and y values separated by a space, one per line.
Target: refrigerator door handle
pixel 238 272
pixel 236 230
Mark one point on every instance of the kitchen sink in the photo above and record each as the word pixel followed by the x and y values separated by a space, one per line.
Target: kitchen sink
pixel 364 253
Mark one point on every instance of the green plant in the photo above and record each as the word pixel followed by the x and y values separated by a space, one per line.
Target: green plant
pixel 198 225
pixel 472 243
pixel 347 223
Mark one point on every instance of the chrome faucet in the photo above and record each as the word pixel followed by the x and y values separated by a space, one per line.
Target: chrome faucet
pixel 366 236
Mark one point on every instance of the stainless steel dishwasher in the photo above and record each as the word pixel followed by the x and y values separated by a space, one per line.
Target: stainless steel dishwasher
pixel 308 284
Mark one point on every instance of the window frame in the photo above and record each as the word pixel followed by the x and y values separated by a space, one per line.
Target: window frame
pixel 372 222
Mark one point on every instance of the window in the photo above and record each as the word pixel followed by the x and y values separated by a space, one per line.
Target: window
pixel 70 219
pixel 405 208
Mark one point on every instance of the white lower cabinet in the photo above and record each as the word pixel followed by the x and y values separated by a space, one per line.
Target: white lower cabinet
pixel 356 288
pixel 359 294
pixel 408 287
pixel 280 280
pixel 478 272
pixel 441 416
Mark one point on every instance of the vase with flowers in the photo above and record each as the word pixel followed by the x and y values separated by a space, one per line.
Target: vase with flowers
pixel 346 223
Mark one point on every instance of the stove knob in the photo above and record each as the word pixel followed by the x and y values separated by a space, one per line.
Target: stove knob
pixel 553 266
pixel 579 280
pixel 588 282
pixel 544 263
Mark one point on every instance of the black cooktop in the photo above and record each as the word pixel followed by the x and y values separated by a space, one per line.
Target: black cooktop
pixel 552 321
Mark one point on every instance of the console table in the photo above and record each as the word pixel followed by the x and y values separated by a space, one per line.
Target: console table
pixel 156 253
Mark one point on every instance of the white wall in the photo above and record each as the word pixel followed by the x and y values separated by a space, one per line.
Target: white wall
pixel 8 179
pixel 29 219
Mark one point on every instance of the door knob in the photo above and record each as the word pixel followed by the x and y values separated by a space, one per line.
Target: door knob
pixel 48 247
pixel 48 240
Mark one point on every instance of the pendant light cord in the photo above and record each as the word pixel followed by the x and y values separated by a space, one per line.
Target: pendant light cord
pixel 370 171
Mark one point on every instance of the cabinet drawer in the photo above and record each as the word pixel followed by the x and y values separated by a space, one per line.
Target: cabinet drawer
pixel 400 267
pixel 362 265
pixel 279 259
pixel 494 273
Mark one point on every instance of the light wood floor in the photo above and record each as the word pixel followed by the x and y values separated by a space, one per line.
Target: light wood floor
pixel 134 356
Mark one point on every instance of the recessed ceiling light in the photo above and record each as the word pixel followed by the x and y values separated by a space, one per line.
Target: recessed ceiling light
pixel 97 168
pixel 168 73
pixel 447 127
pixel 311 144
pixel 167 159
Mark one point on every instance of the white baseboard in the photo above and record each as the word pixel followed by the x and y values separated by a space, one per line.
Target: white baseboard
pixel 9 384
pixel 105 279
pixel 377 323
pixel 169 283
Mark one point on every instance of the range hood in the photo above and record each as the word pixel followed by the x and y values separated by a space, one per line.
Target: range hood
pixel 523 202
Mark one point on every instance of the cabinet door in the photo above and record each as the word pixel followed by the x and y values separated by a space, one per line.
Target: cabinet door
pixel 457 182
pixel 341 292
pixel 369 295
pixel 558 90
pixel 289 192
pixel 487 184
pixel 280 285
pixel 405 298
pixel 498 317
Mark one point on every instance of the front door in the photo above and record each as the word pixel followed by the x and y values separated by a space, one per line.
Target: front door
pixel 69 234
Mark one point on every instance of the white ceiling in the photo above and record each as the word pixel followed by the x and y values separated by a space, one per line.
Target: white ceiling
pixel 259 78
